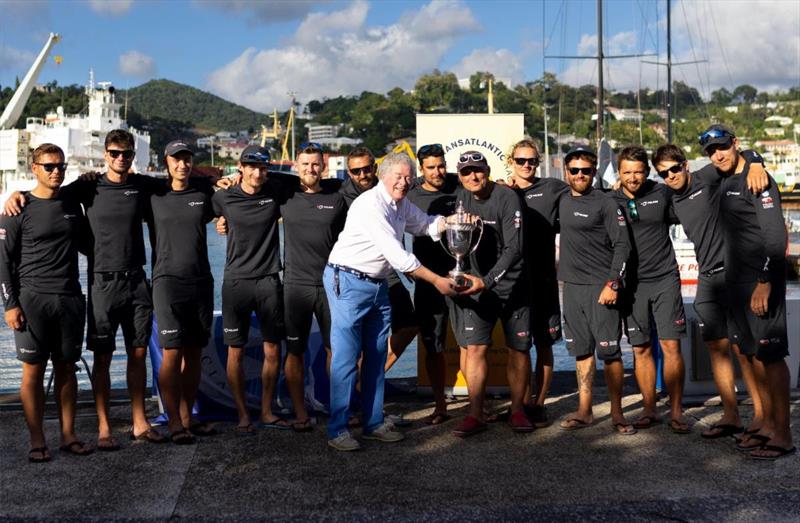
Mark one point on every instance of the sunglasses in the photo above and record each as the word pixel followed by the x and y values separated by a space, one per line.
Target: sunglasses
pixel 475 157
pixel 532 161
pixel 432 149
pixel 49 167
pixel 633 211
pixel 310 145
pixel 127 154
pixel 675 169
pixel 255 158
pixel 358 171
pixel 712 134
pixel 588 171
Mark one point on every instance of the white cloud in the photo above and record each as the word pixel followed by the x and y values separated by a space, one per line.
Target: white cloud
pixel 137 65
pixel 744 42
pixel 502 63
pixel 269 11
pixel 338 54
pixel 111 7
pixel 11 59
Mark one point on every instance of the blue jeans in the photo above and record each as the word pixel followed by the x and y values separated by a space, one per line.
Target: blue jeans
pixel 360 320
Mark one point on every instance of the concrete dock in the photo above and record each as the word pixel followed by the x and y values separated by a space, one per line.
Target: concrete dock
pixel 550 474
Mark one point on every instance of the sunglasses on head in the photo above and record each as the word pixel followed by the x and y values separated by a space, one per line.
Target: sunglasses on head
pixel 432 149
pixel 582 170
pixel 310 145
pixel 633 211
pixel 255 158
pixel 474 157
pixel 532 161
pixel 358 171
pixel 712 134
pixel 49 167
pixel 675 169
pixel 126 154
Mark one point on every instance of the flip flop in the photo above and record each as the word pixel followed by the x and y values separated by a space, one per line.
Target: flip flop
pixel 677 427
pixel 150 436
pixel 44 458
pixel 302 426
pixel 245 430
pixel 645 422
pixel 574 424
pixel 746 434
pixel 723 431
pixel 437 418
pixel 76 448
pixel 182 437
pixel 619 426
pixel 781 453
pixel 276 424
pixel 747 448
pixel 203 429
pixel 107 445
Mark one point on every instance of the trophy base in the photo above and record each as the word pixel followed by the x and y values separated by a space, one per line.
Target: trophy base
pixel 459 280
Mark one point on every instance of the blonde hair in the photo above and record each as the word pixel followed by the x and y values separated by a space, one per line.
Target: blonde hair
pixel 526 141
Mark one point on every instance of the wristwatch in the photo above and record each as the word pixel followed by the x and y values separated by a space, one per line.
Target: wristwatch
pixel 613 285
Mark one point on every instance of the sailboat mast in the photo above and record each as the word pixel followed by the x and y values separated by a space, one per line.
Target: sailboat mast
pixel 600 102
pixel 669 73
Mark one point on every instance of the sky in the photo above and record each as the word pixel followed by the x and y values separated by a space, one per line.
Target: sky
pixel 255 53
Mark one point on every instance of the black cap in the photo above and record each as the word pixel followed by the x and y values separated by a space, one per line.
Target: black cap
pixel 472 159
pixel 580 150
pixel 255 154
pixel 176 146
pixel 717 134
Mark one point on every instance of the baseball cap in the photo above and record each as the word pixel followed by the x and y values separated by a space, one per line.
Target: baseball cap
pixel 176 146
pixel 717 134
pixel 577 151
pixel 472 159
pixel 255 154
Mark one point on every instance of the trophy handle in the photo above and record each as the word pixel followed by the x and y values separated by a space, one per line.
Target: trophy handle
pixel 479 223
pixel 441 242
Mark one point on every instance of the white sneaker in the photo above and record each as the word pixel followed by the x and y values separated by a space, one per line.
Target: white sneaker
pixel 386 433
pixel 344 442
pixel 397 420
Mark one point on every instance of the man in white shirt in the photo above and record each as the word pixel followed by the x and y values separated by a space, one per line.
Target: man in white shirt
pixel 368 249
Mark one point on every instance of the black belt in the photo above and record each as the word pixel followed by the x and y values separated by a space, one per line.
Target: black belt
pixel 715 270
pixel 135 274
pixel 358 274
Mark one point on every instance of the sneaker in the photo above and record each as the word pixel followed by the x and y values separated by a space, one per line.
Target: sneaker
pixel 386 433
pixel 538 415
pixel 520 423
pixel 469 426
pixel 344 442
pixel 397 420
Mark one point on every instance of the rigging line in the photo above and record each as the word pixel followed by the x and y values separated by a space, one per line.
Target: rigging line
pixel 694 54
pixel 553 30
pixel 722 50
pixel 691 93
pixel 645 24
pixel 701 31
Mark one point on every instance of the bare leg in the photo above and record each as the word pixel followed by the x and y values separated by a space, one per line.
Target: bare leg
pixel 169 383
pixel 585 369
pixel 777 374
pixel 137 384
pixel 614 373
pixel 752 389
pixel 722 367
pixel 544 373
pixel 31 393
pixel 269 379
pixel 235 372
pixel 518 372
pixel 674 375
pixel 101 383
pixel 645 371
pixel 476 373
pixel 760 373
pixel 294 380
pixel 66 393
pixel 398 342
pixel 190 382
pixel 436 366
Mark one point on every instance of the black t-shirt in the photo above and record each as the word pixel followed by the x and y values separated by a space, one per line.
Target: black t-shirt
pixel 594 239
pixel 115 212
pixel 540 213
pixel 178 221
pixel 253 249
pixel 351 190
pixel 755 233
pixel 39 248
pixel 443 203
pixel 652 255
pixel 697 208
pixel 498 258
pixel 311 224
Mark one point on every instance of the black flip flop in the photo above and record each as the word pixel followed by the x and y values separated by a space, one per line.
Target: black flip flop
pixel 203 429
pixel 182 437
pixel 76 448
pixel 150 436
pixel 645 422
pixel 110 445
pixel 44 451
pixel 725 430
pixel 782 452
pixel 302 426
pixel 758 437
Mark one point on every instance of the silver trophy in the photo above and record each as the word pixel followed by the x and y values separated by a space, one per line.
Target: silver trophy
pixel 459 229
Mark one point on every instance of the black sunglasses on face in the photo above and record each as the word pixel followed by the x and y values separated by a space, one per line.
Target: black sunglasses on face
pixel 532 161
pixel 675 169
pixel 633 211
pixel 358 171
pixel 49 167
pixel 126 154
pixel 583 170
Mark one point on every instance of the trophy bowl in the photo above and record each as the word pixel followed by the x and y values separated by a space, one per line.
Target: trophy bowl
pixel 459 230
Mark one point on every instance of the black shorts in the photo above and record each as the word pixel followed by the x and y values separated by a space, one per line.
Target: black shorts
pixel 53 327
pixel 241 298
pixel 761 336
pixel 117 299
pixel 184 311
pixel 402 308
pixel 711 306
pixel 432 314
pixel 545 312
pixel 589 326
pixel 473 320
pixel 662 299
pixel 300 302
